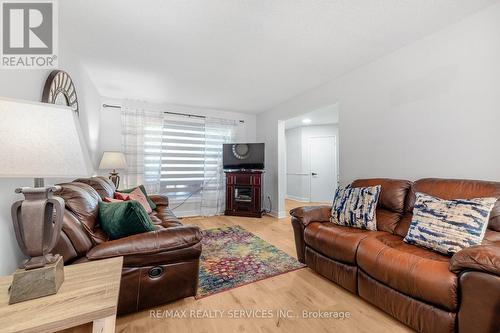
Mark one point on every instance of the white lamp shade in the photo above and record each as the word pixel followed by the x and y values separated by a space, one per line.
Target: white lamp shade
pixel 40 140
pixel 113 160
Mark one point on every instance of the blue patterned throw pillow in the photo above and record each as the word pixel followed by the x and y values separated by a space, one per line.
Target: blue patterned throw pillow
pixel 355 207
pixel 447 226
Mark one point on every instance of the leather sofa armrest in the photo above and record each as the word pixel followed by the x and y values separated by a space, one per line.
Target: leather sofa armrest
pixel 308 214
pixel 484 258
pixel 152 242
pixel 159 199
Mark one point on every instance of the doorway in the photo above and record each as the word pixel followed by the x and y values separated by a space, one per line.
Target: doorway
pixel 311 149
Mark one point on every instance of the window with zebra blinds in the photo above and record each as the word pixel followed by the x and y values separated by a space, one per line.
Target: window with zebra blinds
pixel 180 156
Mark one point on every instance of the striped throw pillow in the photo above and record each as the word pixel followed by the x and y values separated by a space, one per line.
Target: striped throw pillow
pixel 447 226
pixel 355 207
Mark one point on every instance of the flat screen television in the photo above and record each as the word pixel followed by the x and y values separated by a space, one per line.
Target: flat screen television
pixel 243 156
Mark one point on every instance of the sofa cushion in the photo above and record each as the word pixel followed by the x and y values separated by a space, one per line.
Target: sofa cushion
pixel 159 199
pixel 404 225
pixel 387 220
pixel 355 207
pixel 391 201
pixel 447 226
pixel 106 199
pixel 164 217
pixel 121 219
pixel 411 270
pixel 148 243
pixel 83 201
pixel 137 195
pixel 421 316
pixel 76 233
pixel 121 196
pixel 143 190
pixel 449 189
pixel 102 185
pixel 65 248
pixel 334 241
pixel 392 194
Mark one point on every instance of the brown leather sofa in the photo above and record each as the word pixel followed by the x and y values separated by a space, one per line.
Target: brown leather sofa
pixel 425 290
pixel 158 266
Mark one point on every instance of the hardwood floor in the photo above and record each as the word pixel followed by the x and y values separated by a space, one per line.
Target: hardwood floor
pixel 295 292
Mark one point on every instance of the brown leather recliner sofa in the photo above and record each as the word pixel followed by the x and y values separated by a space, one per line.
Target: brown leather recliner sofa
pixel 158 266
pixel 425 290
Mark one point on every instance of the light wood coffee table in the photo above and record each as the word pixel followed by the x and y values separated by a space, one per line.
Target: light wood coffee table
pixel 89 293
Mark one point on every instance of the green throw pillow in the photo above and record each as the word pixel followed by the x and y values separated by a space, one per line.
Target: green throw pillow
pixel 120 219
pixel 143 189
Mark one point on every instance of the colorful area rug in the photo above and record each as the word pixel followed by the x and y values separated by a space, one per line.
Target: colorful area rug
pixel 233 257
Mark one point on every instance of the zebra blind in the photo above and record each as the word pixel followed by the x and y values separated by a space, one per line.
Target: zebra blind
pixel 182 158
pixel 185 156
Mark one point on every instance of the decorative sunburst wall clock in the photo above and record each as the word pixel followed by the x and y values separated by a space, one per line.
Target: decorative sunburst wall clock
pixel 59 89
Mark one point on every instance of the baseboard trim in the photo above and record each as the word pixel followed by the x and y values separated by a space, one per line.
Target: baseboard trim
pixel 301 199
pixel 278 215
pixel 187 213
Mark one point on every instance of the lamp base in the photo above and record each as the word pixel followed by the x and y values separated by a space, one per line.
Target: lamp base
pixel 38 282
pixel 115 178
pixel 37 224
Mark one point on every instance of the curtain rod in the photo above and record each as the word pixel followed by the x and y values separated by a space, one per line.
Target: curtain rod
pixel 176 113
pixel 111 106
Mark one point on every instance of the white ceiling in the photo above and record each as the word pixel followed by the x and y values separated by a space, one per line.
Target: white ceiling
pixel 242 55
pixel 323 116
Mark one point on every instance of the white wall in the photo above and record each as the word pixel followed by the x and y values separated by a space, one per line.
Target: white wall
pixel 295 186
pixel 428 109
pixel 298 162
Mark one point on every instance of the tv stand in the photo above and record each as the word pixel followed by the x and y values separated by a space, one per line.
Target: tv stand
pixel 244 193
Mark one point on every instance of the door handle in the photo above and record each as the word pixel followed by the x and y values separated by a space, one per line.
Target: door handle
pixel 314 174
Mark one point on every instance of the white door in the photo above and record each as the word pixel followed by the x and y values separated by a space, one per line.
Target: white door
pixel 323 159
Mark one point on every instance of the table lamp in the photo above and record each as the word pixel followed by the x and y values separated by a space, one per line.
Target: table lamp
pixel 39 140
pixel 112 160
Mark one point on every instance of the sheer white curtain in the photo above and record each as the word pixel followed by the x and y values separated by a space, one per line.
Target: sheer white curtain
pixel 217 132
pixel 142 128
pixel 176 155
